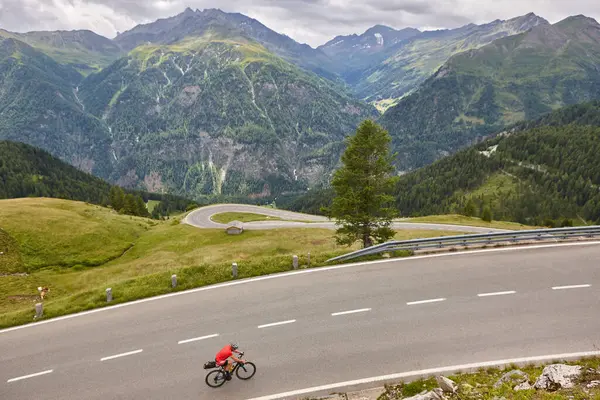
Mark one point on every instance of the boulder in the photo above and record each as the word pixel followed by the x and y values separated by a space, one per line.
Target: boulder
pixel 447 385
pixel 593 384
pixel 514 377
pixel 557 376
pixel 522 386
pixel 435 394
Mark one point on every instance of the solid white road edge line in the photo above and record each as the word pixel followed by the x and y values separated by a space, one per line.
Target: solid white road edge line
pixel 288 274
pixel 570 287
pixel 496 293
pixel 440 370
pixel 350 312
pixel 122 355
pixel 198 338
pixel 291 321
pixel 30 376
pixel 412 303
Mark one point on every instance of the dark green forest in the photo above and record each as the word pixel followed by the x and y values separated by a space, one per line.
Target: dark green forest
pixel 26 171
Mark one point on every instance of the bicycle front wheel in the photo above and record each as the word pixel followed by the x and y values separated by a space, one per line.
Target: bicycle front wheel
pixel 215 379
pixel 245 371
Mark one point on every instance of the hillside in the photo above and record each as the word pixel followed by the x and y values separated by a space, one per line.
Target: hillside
pixel 227 25
pixel 536 172
pixel 480 91
pixel 39 106
pixel 26 171
pixel 210 115
pixel 402 67
pixel 83 50
pixel 549 170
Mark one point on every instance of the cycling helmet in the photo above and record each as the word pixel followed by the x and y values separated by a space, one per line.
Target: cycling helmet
pixel 234 346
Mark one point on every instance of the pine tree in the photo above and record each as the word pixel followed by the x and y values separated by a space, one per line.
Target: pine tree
pixel 130 206
pixel 362 204
pixel 486 214
pixel 469 208
pixel 117 198
pixel 141 209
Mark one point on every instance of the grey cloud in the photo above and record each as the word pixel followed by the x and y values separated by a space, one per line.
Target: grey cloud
pixel 308 21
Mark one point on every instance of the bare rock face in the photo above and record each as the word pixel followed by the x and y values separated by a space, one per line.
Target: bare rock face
pixel 447 385
pixel 514 377
pixel 522 386
pixel 557 376
pixel 435 394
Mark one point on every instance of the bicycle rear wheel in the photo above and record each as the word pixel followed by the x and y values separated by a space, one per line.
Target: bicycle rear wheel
pixel 215 379
pixel 245 371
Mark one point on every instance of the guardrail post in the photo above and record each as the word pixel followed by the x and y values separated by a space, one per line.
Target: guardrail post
pixel 173 280
pixel 39 310
pixel 295 262
pixel 108 295
pixel 308 259
pixel 234 270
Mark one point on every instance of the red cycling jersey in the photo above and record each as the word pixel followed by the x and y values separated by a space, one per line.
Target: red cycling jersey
pixel 223 354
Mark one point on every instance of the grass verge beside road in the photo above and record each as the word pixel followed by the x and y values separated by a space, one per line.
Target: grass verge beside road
pixel 79 250
pixel 226 217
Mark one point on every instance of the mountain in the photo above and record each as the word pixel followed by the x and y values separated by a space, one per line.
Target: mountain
pixel 84 50
pixel 356 52
pixel 480 91
pixel 540 172
pixel 410 62
pixel 214 115
pixel 191 23
pixel 39 105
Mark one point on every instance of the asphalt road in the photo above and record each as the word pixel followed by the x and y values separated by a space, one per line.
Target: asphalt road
pixel 414 313
pixel 201 218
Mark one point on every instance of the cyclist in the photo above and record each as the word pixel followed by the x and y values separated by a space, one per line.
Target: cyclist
pixel 222 358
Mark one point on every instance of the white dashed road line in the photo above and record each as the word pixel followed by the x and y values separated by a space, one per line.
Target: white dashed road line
pixel 412 303
pixel 351 312
pixel 122 355
pixel 496 293
pixel 291 321
pixel 29 376
pixel 570 287
pixel 197 338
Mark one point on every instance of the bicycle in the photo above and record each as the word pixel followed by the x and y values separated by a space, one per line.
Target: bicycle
pixel 220 376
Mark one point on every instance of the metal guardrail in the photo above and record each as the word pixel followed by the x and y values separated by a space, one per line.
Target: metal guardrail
pixel 477 238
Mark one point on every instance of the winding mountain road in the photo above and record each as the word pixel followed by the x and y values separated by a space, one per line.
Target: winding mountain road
pixel 317 327
pixel 201 218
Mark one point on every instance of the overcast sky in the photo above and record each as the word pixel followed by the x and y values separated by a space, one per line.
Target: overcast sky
pixel 307 21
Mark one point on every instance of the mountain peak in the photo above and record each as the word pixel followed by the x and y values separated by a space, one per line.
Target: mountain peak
pixel 579 20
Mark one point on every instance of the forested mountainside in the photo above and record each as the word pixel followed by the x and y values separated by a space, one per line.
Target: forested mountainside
pixel 478 92
pixel 539 172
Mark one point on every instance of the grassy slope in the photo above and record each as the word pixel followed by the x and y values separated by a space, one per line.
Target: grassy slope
pixel 226 217
pixel 60 239
pixel 10 256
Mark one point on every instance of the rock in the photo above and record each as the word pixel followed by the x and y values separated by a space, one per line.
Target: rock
pixel 514 377
pixel 447 385
pixel 435 394
pixel 522 386
pixel 593 384
pixel 557 376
